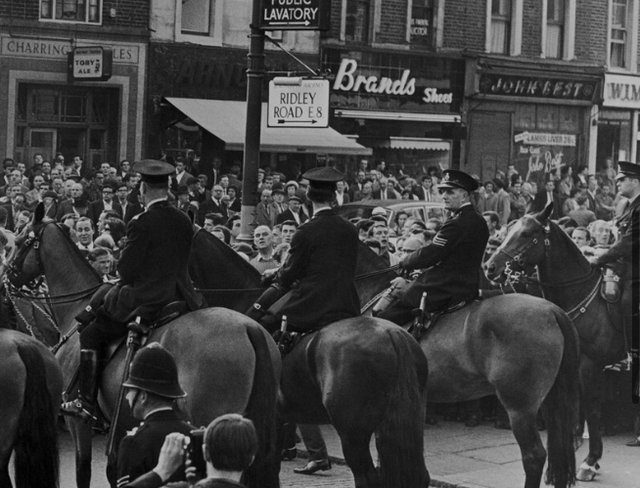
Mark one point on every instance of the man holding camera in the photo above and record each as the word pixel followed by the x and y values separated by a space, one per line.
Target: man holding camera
pixel 152 390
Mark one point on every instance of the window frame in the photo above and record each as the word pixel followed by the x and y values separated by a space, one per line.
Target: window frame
pixel 569 31
pixel 514 46
pixel 67 21
pixel 214 38
pixel 371 21
pixel 631 48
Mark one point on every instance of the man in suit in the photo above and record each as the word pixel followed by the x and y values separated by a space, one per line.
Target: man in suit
pixel 265 213
pixel 453 260
pixel 548 196
pixel 153 272
pixel 620 257
pixel 213 205
pixel 384 193
pixel 341 196
pixel 321 265
pixel 294 212
pixel 424 192
pixel 181 175
pixel 106 203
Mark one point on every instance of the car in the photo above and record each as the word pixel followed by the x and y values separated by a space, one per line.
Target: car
pixel 415 208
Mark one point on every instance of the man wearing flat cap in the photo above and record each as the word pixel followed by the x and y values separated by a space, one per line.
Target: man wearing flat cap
pixel 320 268
pixel 153 271
pixel 452 262
pixel 620 255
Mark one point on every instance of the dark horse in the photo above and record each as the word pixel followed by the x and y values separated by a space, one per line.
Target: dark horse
pixel 365 376
pixel 237 284
pixel 523 349
pixel 567 279
pixel 241 361
pixel 30 388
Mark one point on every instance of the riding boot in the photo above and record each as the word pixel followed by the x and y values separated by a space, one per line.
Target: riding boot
pixel 84 406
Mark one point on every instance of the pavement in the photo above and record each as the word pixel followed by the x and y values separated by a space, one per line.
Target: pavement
pixel 486 457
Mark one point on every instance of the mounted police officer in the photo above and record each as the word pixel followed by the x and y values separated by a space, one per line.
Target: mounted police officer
pixel 619 255
pixel 452 261
pixel 320 268
pixel 153 388
pixel 153 272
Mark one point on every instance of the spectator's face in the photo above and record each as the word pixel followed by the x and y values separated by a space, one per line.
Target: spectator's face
pixel 18 200
pixel 294 206
pixel 488 188
pixel 606 189
pixel 489 251
pixel 262 237
pixel 217 192
pixel 278 197
pixel 218 233
pixel 76 190
pixel 15 177
pixel 102 265
pixel 265 196
pixel 367 188
pixel 9 169
pixel 208 225
pixel 84 232
pixel 402 218
pixel 179 167
pixel 38 181
pixel 107 194
pixel 427 182
pixel 22 168
pixel 235 228
pixel 340 186
pixel 550 186
pixel 122 192
pixel 601 235
pixel 432 226
pixel 46 167
pixel 580 238
pixel 202 180
pixel 363 235
pixel 291 190
pixel 490 223
pixel 104 167
pixel 224 181
pixel 37 159
pixel 125 166
pixel 23 219
pixel 381 234
pixel 268 182
pixel 57 185
pixel 113 173
pixel 232 193
pixel 360 176
pixel 517 188
pixel 287 233
pixel 592 183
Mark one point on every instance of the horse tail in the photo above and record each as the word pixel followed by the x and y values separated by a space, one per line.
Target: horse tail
pixel 561 410
pixel 262 411
pixel 399 438
pixel 36 447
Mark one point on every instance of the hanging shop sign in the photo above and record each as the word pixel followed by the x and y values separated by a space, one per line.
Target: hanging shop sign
pixel 90 63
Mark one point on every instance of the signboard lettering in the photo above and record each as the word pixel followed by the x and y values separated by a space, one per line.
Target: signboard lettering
pixel 298 105
pixel 90 63
pixel 541 154
pixel 294 15
pixel 52 49
pixel 529 86
pixel 621 91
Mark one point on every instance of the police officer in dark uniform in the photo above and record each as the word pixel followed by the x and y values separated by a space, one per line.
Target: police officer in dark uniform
pixel 452 261
pixel 320 268
pixel 153 272
pixel 619 256
pixel 152 389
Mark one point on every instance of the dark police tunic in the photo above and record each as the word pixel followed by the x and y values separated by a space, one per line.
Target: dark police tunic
pixel 453 261
pixel 322 260
pixel 140 449
pixel 153 266
pixel 621 250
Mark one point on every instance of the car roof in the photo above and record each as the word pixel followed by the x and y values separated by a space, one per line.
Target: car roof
pixel 392 204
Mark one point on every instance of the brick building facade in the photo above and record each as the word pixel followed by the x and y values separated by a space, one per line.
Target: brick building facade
pixel 43 109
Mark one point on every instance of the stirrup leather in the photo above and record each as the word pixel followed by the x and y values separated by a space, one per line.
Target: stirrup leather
pixel 76 408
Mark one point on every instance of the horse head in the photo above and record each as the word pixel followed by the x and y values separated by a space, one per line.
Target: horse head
pixel 523 248
pixel 26 265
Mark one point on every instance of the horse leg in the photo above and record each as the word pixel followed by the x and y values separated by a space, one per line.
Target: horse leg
pixel 82 437
pixel 355 447
pixel 592 386
pixel 523 425
pixel 5 479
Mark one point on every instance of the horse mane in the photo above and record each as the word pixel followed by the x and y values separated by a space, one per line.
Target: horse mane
pixel 74 248
pixel 567 241
pixel 216 251
pixel 368 260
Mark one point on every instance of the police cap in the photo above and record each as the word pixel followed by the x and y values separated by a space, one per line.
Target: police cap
pixel 153 170
pixel 322 182
pixel 153 369
pixel 628 169
pixel 453 178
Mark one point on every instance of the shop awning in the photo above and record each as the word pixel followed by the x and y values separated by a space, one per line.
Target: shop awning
pixel 226 120
pixel 412 143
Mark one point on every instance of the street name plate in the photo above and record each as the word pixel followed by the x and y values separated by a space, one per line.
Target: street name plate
pixel 294 15
pixel 303 105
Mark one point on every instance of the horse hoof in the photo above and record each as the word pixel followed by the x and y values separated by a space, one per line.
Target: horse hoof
pixel 587 472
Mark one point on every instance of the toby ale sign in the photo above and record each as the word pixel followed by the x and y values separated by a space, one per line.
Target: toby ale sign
pixel 90 63
pixel 294 15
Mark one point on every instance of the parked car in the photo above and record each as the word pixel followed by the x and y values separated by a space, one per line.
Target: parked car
pixel 415 208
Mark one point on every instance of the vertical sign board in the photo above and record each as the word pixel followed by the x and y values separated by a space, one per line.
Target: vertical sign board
pixel 294 14
pixel 303 104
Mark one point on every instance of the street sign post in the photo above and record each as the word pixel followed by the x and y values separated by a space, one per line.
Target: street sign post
pixel 294 14
pixel 296 102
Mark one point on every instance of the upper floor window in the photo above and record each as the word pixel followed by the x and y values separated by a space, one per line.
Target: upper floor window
pixel 196 17
pixel 422 22
pixel 86 11
pixel 555 28
pixel 619 44
pixel 500 26
pixel 357 22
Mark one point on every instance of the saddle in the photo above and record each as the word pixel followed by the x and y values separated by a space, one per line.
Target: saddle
pixel 419 327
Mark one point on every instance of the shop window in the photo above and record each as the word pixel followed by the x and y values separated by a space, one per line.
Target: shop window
pixel 525 117
pixel 358 20
pixel 619 33
pixel 569 119
pixel 85 11
pixel 547 117
pixel 45 105
pixel 196 16
pixel 555 28
pixel 500 26
pixel 73 108
pixel 422 24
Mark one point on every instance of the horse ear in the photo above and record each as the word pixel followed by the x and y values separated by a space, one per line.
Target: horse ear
pixel 544 215
pixel 38 214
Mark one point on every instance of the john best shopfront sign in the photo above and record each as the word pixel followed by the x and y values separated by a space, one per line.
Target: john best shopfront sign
pixel 537 87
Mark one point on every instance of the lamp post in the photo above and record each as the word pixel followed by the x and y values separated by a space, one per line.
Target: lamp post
pixel 251 162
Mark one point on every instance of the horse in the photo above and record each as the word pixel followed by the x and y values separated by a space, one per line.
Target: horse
pixel 522 348
pixel 242 362
pixel 30 387
pixel 238 284
pixel 363 375
pixel 566 278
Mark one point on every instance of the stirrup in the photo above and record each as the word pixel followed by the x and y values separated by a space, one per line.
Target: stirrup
pixel 76 408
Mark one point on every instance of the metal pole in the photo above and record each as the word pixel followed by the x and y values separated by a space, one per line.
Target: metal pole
pixel 251 163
